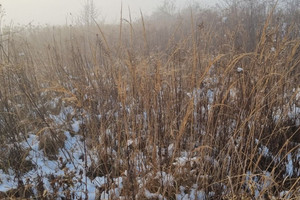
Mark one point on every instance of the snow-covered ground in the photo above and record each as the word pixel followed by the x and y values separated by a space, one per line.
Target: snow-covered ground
pixel 67 176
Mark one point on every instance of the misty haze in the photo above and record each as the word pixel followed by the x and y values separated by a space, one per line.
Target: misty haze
pixel 160 99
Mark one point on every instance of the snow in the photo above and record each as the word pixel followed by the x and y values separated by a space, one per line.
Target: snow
pixel 258 183
pixel 53 103
pixel 273 49
pixel 239 69
pixel 150 195
pixel 167 179
pixel 76 126
pixel 129 142
pixel 73 165
pixel 6 181
pixel 70 161
pixel 264 151
pixel 170 149
pixel 62 117
pixel 285 195
pixel 115 192
pixel 289 166
pixel 45 167
pixel 181 161
pixel 193 194
pixel 99 181
pixel 295 114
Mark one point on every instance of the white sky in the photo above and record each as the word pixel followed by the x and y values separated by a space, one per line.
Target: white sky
pixel 58 11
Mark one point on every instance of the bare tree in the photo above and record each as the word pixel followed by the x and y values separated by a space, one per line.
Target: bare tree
pixel 89 12
pixel 2 14
pixel 168 7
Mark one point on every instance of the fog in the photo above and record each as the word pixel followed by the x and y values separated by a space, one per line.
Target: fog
pixel 58 12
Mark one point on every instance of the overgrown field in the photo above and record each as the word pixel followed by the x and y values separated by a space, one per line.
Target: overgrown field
pixel 203 104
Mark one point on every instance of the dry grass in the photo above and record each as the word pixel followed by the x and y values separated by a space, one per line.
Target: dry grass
pixel 201 108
